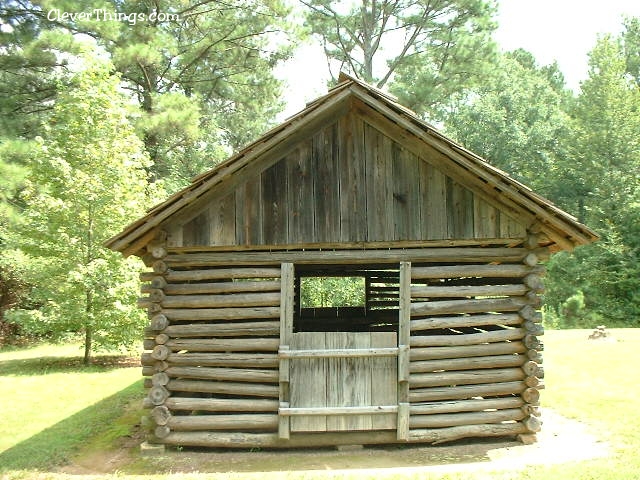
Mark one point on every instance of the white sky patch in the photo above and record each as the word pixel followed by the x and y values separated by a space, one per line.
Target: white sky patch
pixel 562 30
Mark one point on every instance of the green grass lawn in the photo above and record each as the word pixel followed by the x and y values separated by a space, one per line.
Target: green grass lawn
pixel 51 404
pixel 596 382
pixel 53 408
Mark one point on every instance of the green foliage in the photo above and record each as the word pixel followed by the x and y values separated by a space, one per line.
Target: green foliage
pixel 429 51
pixel 13 293
pixel 631 43
pixel 201 72
pixel 459 55
pixel 517 122
pixel 584 154
pixel 87 181
pixel 12 174
pixel 332 292
pixel 605 192
pixel 31 71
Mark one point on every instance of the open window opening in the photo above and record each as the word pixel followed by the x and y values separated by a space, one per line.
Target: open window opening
pixel 346 298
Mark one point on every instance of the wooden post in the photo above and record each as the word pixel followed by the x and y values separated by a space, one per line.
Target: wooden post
pixel 403 421
pixel 287 278
pixel 404 337
pixel 284 423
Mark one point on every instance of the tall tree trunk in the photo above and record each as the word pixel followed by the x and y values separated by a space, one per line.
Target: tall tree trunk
pixel 88 338
pixel 88 308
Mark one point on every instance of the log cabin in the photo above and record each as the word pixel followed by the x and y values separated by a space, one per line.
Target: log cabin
pixel 445 248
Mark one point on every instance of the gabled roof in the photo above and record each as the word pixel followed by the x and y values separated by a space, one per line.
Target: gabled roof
pixel 563 230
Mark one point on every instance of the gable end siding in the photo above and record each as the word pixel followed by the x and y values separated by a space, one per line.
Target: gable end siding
pixel 348 182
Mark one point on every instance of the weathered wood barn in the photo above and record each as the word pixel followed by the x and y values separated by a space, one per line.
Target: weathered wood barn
pixel 445 344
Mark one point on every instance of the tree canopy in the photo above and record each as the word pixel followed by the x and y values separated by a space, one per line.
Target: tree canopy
pixel 201 72
pixel 424 51
pixel 97 115
pixel 87 181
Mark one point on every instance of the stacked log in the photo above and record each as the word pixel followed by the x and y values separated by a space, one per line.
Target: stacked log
pixel 474 357
pixel 211 348
pixel 153 359
pixel 532 323
pixel 469 361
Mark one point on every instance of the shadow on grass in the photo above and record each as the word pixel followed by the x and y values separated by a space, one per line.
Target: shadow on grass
pixel 48 365
pixel 55 445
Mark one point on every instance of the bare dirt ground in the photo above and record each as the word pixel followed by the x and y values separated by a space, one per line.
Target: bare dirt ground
pixel 561 440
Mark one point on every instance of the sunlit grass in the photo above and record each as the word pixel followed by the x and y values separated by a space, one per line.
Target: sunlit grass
pixel 596 382
pixel 46 400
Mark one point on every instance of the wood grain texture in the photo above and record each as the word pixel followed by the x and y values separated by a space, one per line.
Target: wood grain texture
pixel 353 180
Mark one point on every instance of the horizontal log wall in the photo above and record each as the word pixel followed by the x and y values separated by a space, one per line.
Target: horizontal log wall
pixel 211 349
pixel 474 357
pixel 471 358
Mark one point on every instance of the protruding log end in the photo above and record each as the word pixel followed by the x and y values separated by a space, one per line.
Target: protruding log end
pixel 534 282
pixel 156 295
pixel 162 431
pixel 534 355
pixel 157 251
pixel 533 328
pixel 530 368
pixel 159 267
pixel 533 410
pixel 531 259
pixel 532 381
pixel 161 415
pixel 531 395
pixel 154 308
pixel 160 352
pixel 158 395
pixel 158 282
pixel 532 424
pixel 158 322
pixel 532 343
pixel 527 312
pixel 534 299
pixel 160 378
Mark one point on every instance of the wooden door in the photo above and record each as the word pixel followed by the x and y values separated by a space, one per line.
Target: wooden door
pixel 343 381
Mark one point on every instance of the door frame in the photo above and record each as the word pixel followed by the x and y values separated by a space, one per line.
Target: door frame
pixel 286 354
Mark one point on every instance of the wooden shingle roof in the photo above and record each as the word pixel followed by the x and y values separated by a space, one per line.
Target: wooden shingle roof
pixel 562 230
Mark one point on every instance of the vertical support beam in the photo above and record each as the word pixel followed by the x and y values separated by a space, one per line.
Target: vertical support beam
pixel 403 421
pixel 404 334
pixel 287 293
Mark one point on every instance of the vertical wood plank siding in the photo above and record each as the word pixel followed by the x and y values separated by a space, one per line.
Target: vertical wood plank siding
pixel 348 182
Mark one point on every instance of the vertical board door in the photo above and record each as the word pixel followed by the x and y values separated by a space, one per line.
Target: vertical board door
pixel 335 384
